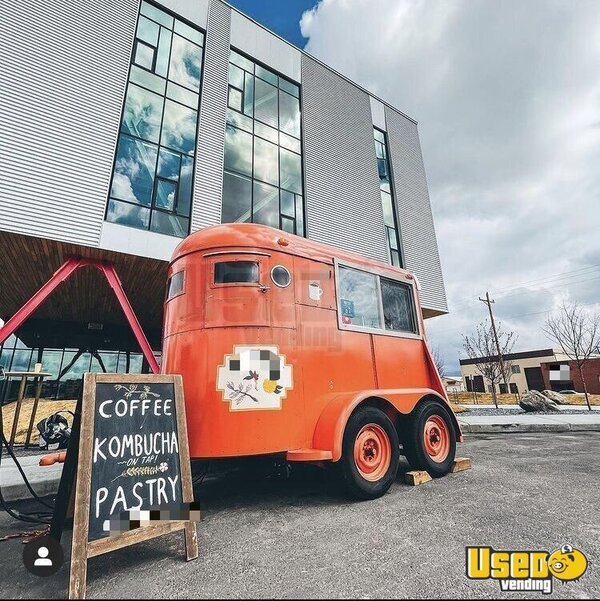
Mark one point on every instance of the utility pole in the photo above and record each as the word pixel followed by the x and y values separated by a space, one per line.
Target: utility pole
pixel 489 303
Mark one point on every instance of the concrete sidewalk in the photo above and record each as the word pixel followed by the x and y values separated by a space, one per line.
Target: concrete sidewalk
pixel 524 422
pixel 43 480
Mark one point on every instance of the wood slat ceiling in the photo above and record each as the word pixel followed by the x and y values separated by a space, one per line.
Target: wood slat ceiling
pixel 26 263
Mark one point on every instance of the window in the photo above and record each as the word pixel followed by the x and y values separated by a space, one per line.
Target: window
pixel 262 179
pixel 359 298
pixel 398 307
pixel 387 198
pixel 175 285
pixel 374 302
pixel 515 369
pixel 281 276
pixel 151 186
pixel 236 272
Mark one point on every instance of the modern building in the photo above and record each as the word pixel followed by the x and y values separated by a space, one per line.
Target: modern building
pixel 543 369
pixel 126 125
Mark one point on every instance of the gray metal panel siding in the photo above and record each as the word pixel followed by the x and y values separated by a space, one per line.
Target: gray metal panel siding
pixel 417 231
pixel 343 200
pixel 63 77
pixel 208 187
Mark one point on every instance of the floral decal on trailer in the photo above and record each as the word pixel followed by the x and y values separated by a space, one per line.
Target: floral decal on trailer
pixel 254 377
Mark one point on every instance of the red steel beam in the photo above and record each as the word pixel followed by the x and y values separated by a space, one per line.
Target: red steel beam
pixel 115 283
pixel 60 275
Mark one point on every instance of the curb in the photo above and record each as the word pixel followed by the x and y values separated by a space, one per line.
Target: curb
pixel 20 492
pixel 526 428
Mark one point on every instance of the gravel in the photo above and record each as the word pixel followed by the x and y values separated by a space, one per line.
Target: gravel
pixel 519 411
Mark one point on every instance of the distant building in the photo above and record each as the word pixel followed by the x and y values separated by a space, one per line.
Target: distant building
pixel 544 369
pixel 453 384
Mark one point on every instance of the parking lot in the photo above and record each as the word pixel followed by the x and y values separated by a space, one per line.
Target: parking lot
pixel 277 537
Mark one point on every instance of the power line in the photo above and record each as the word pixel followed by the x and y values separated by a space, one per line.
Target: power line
pixel 557 276
pixel 560 275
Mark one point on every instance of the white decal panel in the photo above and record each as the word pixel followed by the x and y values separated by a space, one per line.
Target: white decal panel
pixel 254 378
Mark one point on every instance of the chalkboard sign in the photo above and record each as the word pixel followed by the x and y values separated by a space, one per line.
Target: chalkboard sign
pixel 135 460
pixel 133 455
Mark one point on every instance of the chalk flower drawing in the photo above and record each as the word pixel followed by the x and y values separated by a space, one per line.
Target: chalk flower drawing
pixel 133 389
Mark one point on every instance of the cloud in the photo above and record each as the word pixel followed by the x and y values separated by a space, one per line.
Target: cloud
pixel 507 96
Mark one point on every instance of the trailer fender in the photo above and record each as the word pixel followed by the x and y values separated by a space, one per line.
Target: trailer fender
pixel 329 431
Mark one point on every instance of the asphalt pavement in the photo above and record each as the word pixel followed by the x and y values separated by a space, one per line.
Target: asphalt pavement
pixel 272 537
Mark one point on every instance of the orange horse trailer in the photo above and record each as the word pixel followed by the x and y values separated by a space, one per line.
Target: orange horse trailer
pixel 289 346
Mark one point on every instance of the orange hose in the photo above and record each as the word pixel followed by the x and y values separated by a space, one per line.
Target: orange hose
pixel 53 458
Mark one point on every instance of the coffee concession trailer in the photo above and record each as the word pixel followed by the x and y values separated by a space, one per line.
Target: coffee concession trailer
pixel 289 346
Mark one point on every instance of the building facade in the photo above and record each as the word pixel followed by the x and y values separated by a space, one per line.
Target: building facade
pixel 128 125
pixel 543 369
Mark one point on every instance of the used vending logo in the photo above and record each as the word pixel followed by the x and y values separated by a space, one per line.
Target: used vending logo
pixel 526 570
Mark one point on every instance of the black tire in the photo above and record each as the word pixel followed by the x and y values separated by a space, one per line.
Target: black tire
pixel 414 439
pixel 353 483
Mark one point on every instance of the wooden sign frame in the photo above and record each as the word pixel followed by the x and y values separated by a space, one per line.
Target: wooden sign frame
pixel 82 549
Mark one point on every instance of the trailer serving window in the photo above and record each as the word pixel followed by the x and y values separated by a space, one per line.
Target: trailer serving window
pixel 374 303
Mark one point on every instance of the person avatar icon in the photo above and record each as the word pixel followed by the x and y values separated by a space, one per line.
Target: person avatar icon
pixel 43 556
pixel 43 559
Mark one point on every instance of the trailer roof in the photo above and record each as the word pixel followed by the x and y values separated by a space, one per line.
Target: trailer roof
pixel 251 236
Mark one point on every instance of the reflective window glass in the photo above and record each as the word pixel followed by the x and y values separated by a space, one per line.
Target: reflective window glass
pixel 168 164
pixel 235 99
pixel 161 107
pixel 156 14
pixel 179 127
pixel 185 63
pixel 169 224
pixel 166 192
pixel 133 178
pixel 238 150
pixel 236 76
pixel 184 194
pixel 237 199
pixel 359 301
pixel 148 31
pixel 239 120
pixel 263 151
pixel 398 306
pixel 387 196
pixel 265 161
pixel 288 205
pixel 266 75
pixel 144 55
pixel 291 171
pixel 266 205
pixel 265 102
pixel 142 113
pixel 128 214
pixel 289 114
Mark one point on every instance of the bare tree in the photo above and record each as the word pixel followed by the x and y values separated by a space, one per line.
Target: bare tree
pixel 439 361
pixel 578 334
pixel 482 347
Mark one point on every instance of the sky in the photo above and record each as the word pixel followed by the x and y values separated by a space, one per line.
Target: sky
pixel 507 96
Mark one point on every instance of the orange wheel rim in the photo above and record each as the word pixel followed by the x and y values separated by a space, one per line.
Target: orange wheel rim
pixel 372 452
pixel 437 438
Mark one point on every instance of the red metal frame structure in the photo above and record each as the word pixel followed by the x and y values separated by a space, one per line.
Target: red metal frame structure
pixel 64 272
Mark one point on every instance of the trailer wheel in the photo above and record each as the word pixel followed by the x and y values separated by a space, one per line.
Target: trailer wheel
pixel 370 454
pixel 430 439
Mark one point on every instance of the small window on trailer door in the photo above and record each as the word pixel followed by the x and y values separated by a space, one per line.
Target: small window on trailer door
pixel 237 272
